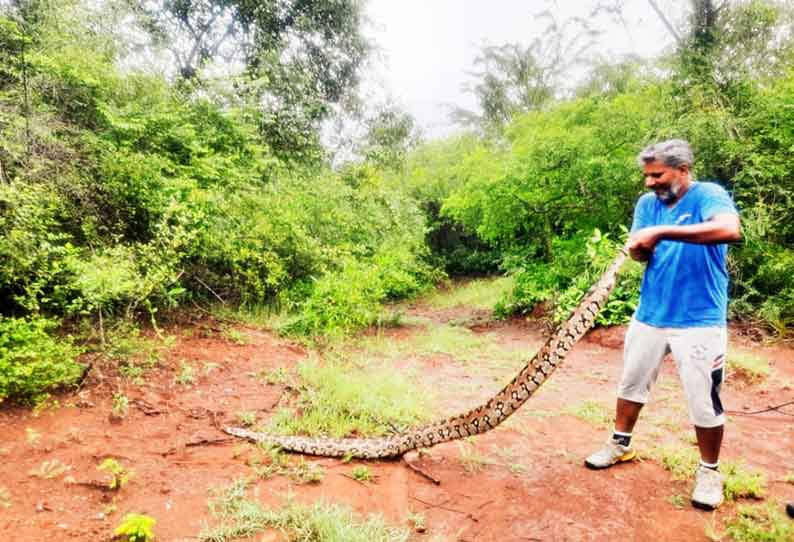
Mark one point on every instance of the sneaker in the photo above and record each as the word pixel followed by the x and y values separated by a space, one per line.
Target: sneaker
pixel 790 509
pixel 708 489
pixel 613 452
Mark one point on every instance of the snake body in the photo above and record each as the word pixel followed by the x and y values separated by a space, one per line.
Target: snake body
pixel 477 420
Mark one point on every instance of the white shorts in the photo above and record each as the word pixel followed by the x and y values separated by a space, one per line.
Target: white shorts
pixel 699 354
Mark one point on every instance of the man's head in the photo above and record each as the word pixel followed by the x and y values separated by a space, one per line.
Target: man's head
pixel 666 168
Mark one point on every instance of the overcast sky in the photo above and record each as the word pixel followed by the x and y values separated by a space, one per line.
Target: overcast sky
pixel 428 46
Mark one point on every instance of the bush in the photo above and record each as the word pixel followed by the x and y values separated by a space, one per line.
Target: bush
pixel 31 361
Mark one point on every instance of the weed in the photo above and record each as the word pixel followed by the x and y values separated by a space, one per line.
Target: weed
pixel 516 468
pixel 763 523
pixel 187 374
pixel 49 469
pixel 278 463
pixel 246 418
pixel 338 399
pixel 478 294
pixel 119 474
pixel 5 498
pixel 321 522
pixel 417 521
pixel 789 478
pixel 133 353
pixel 278 375
pixel 33 436
pixel 592 413
pixel 136 528
pixel 750 368
pixel 741 482
pixel 234 335
pixel 121 405
pixel 678 500
pixel 361 473
pixel 680 461
pixel 470 458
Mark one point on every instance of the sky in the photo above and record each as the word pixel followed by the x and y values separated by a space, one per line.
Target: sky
pixel 426 47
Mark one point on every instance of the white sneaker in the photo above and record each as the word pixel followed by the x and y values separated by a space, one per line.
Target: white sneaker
pixel 613 452
pixel 708 494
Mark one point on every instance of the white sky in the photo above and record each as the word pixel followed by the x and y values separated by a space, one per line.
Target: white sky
pixel 428 46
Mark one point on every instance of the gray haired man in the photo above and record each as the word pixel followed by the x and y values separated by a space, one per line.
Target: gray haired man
pixel 680 229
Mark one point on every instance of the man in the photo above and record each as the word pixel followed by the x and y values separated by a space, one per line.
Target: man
pixel 680 228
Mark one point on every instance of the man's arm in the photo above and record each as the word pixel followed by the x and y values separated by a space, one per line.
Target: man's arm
pixel 722 228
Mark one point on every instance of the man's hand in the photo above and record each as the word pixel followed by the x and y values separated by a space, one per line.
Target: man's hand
pixel 642 243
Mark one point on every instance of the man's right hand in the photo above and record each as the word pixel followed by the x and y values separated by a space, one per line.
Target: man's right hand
pixel 639 254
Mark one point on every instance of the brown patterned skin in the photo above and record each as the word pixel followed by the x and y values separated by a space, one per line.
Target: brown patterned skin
pixel 478 420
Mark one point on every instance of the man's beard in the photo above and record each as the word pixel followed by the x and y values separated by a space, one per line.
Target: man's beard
pixel 669 195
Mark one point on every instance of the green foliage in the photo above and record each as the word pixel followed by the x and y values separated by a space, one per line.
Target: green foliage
pixel 338 399
pixel 119 474
pixel 320 522
pixel 751 368
pixel 760 523
pixel 136 528
pixel 32 361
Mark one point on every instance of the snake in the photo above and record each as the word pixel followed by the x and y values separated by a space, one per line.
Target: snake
pixel 478 420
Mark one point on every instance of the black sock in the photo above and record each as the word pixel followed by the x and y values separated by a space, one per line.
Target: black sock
pixel 624 439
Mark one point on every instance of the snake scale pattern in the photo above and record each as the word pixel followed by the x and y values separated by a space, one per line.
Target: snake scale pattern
pixel 478 420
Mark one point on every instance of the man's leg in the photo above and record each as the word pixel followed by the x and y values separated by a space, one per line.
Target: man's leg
pixel 700 356
pixel 643 352
pixel 709 442
pixel 626 414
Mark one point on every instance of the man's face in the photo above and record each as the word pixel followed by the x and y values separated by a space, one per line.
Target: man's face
pixel 665 181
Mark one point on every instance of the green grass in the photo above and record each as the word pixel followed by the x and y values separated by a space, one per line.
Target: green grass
pixel 271 461
pixel 749 367
pixel 592 413
pixel 681 461
pixel 337 398
pixel 761 523
pixel 238 517
pixel 361 473
pixel 478 294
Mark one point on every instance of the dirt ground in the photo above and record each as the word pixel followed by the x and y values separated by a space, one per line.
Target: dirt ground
pixel 524 481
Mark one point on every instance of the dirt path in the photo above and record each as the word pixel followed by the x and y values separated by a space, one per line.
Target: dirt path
pixel 522 481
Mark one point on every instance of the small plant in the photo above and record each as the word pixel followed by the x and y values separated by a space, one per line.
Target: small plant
pixel 592 413
pixel 361 473
pixel 136 528
pixel 278 375
pixel 417 521
pixel 278 463
pixel 32 435
pixel 234 335
pixel 789 478
pixel 49 469
pixel 121 405
pixel 764 523
pixel 741 482
pixel 471 459
pixel 187 375
pixel 678 500
pixel 246 418
pixel 119 474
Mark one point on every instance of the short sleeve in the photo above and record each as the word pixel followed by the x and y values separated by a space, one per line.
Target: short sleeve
pixel 717 201
pixel 641 218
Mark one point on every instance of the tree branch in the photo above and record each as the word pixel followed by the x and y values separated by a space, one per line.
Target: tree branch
pixel 665 21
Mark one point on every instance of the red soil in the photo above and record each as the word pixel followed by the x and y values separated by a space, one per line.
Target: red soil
pixel 532 485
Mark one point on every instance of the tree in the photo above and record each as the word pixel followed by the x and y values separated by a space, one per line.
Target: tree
pixel 514 79
pixel 299 57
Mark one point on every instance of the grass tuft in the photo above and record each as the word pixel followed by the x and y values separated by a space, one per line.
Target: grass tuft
pixel 479 294
pixel 762 523
pixel 592 413
pixel 321 522
pixel 339 399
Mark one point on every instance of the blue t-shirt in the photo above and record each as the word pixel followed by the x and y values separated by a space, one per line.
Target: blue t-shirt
pixel 685 284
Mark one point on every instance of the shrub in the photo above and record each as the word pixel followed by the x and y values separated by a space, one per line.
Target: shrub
pixel 33 362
